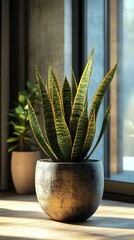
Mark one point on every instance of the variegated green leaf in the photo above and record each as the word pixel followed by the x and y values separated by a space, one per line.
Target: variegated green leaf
pixel 89 136
pixel 73 86
pixel 66 95
pixel 54 79
pixel 38 77
pixel 80 136
pixel 38 133
pixel 101 91
pixel 49 121
pixel 104 125
pixel 63 134
pixel 81 94
pixel 50 81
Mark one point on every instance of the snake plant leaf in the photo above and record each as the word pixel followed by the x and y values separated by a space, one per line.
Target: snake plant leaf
pixel 89 136
pixel 38 133
pixel 80 136
pixel 38 77
pixel 101 91
pixel 51 80
pixel 48 112
pixel 73 86
pixel 66 96
pixel 104 125
pixel 81 95
pixel 63 134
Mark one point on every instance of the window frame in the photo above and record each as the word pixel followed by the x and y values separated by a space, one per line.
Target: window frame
pixel 115 190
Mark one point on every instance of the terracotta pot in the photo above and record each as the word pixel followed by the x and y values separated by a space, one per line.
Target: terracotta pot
pixel 69 191
pixel 23 171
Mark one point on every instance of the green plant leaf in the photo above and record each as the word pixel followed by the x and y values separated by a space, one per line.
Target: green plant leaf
pixel 12 148
pixel 104 125
pixel 73 86
pixel 19 109
pixel 66 95
pixel 12 139
pixel 21 98
pixel 22 117
pixel 101 91
pixel 63 134
pixel 80 136
pixel 19 127
pixel 17 133
pixel 89 136
pixel 49 120
pixel 27 139
pixel 12 114
pixel 29 85
pixel 38 133
pixel 81 95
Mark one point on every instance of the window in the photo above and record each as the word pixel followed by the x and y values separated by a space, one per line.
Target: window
pixel 109 26
pixel 121 49
pixel 123 90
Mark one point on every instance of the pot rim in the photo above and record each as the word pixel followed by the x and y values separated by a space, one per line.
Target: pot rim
pixel 33 151
pixel 48 160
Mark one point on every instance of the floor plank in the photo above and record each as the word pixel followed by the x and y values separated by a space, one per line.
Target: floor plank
pixel 21 218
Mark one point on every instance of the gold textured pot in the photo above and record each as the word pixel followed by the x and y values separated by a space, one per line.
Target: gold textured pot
pixel 69 191
pixel 23 171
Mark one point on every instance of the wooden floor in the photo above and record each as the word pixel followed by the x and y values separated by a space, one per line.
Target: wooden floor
pixel 21 218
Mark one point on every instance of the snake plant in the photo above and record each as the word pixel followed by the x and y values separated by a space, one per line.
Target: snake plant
pixel 69 130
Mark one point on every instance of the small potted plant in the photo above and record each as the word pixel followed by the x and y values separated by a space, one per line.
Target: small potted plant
pixel 69 184
pixel 24 153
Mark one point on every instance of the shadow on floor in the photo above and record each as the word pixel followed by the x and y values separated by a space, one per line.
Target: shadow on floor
pixel 13 196
pixel 108 222
pixel 4 212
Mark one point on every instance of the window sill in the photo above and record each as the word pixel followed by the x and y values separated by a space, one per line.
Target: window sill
pixel 117 190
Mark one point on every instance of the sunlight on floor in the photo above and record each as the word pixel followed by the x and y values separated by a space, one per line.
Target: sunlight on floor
pixel 25 220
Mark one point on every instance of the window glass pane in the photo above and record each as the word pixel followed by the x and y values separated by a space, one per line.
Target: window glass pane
pixel 122 90
pixel 95 36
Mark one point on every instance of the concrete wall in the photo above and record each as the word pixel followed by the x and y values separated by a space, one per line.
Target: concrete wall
pixel 45 33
